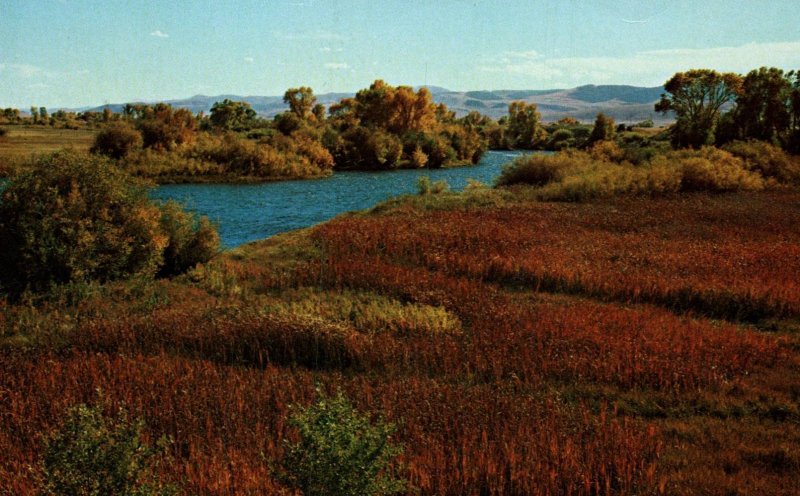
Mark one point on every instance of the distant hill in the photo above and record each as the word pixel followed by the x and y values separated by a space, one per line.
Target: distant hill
pixel 627 104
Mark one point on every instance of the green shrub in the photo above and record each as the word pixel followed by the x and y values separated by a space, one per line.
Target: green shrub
pixel 426 187
pixel 76 217
pixel 91 455
pixel 561 138
pixel 191 240
pixel 340 452
pixel 604 129
pixel 116 141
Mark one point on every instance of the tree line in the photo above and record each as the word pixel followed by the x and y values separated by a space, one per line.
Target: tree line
pixel 717 108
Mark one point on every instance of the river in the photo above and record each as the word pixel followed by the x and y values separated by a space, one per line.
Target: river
pixel 247 212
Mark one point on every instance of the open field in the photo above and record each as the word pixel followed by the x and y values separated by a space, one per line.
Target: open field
pixel 23 142
pixel 628 346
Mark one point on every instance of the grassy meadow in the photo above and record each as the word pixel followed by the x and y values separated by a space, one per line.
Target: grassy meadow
pixel 617 346
pixel 23 142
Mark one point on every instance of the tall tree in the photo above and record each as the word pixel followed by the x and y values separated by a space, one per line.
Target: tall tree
pixel 793 144
pixel 763 110
pixel 410 111
pixel 300 100
pixel 603 128
pixel 319 112
pixel 696 97
pixel 524 126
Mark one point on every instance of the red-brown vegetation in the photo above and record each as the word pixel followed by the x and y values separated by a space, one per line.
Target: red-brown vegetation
pixel 585 363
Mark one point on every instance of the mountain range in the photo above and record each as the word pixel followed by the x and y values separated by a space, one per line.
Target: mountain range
pixel 628 104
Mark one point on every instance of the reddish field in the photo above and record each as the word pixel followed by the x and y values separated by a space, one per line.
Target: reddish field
pixel 621 347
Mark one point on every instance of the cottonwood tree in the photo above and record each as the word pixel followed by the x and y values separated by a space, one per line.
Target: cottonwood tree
pixel 524 126
pixel 763 110
pixel 604 129
pixel 697 97
pixel 300 100
pixel 232 115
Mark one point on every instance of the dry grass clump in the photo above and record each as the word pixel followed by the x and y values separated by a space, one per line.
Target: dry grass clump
pixel 604 172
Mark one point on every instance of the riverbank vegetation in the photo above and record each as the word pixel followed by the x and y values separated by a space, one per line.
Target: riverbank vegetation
pixel 608 170
pixel 386 127
pixel 382 127
pixel 561 347
pixel 76 219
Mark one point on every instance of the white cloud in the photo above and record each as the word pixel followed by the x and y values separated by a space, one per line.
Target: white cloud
pixel 38 86
pixel 646 67
pixel 325 49
pixel 337 66
pixel 319 34
pixel 249 60
pixel 159 34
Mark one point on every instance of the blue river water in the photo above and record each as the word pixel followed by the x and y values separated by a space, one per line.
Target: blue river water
pixel 250 212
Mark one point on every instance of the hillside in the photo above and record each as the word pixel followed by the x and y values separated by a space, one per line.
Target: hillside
pixel 624 103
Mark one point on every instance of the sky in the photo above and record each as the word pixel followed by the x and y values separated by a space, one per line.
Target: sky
pixel 74 53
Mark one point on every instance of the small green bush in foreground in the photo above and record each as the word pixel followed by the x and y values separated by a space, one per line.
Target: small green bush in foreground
pixel 340 452
pixel 91 455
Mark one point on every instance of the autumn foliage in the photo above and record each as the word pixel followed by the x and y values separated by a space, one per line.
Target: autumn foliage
pixel 615 347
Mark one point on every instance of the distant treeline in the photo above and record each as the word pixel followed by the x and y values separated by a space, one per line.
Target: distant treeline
pixel 387 127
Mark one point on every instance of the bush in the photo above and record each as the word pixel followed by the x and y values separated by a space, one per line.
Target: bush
pixel 3 132
pixel 561 138
pixel 426 187
pixel 92 455
pixel 712 169
pixel 700 174
pixel 340 452
pixel 77 218
pixel 191 240
pixel 419 159
pixel 766 159
pixel 116 141
pixel 536 170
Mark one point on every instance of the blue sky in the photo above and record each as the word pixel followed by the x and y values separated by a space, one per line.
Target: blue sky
pixel 87 52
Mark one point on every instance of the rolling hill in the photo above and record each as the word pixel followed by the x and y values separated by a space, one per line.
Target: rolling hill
pixel 627 104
